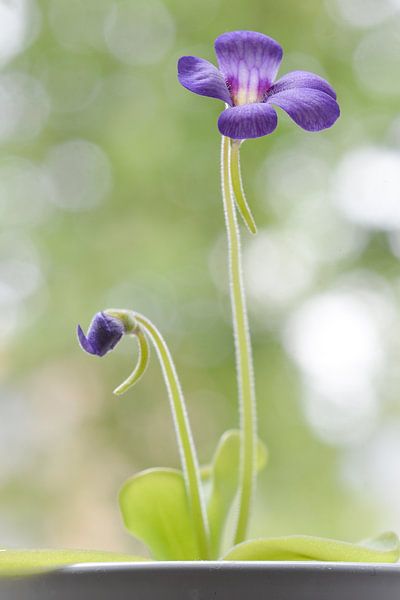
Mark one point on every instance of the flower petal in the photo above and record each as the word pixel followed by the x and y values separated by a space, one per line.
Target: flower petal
pixel 203 78
pixel 249 62
pixel 313 110
pixel 302 79
pixel 103 334
pixel 248 121
pixel 84 342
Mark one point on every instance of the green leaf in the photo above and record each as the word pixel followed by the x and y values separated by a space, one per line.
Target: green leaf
pixel 224 474
pixel 25 562
pixel 385 548
pixel 155 509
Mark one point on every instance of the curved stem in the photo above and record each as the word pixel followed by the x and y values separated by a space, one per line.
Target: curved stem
pixel 243 351
pixel 187 451
pixel 238 190
pixel 143 360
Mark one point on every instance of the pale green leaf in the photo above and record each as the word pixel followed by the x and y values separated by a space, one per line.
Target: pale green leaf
pixel 385 548
pixel 155 510
pixel 24 562
pixel 224 474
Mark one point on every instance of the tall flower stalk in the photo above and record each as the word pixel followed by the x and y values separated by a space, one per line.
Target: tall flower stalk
pixel 104 333
pixel 244 362
pixel 248 63
pixel 190 464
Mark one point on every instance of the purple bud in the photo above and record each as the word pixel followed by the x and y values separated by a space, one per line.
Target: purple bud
pixel 103 334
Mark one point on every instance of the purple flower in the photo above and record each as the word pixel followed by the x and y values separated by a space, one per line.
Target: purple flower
pixel 248 63
pixel 103 334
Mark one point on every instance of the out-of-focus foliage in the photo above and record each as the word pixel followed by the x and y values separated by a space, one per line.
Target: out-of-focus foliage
pixel 155 509
pixel 29 562
pixel 109 196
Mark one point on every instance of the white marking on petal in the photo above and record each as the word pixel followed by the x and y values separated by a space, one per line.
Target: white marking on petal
pixel 252 94
pixel 243 81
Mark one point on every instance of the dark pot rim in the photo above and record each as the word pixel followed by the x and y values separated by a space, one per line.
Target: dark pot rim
pixel 229 565
pixel 210 580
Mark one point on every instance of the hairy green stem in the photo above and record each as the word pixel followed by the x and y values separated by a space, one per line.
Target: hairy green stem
pixel 244 361
pixel 237 186
pixel 187 451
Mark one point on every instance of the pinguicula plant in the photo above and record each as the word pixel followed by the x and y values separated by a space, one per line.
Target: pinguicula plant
pixel 183 514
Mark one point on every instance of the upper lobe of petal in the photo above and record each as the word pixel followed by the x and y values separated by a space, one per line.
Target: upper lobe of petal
pixel 248 121
pixel 203 78
pixel 302 79
pixel 312 109
pixel 249 62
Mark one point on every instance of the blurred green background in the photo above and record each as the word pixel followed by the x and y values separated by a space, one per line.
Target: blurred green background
pixel 109 196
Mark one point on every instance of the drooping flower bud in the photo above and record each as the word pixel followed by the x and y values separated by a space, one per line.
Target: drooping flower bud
pixel 103 334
